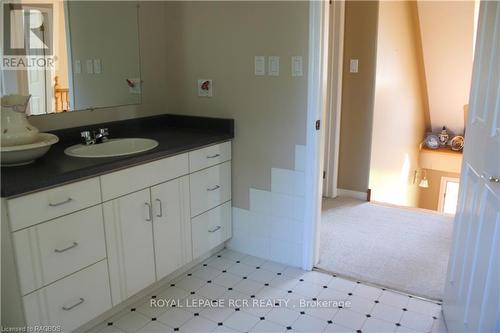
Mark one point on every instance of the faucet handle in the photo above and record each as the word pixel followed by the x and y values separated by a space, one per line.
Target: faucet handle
pixel 104 131
pixel 86 137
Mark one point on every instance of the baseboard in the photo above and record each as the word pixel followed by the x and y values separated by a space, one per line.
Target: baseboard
pixel 352 194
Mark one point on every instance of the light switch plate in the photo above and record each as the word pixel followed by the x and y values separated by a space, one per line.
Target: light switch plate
pixel 260 65
pixel 274 66
pixel 297 66
pixel 353 66
pixel 97 66
pixel 205 88
pixel 90 66
pixel 78 67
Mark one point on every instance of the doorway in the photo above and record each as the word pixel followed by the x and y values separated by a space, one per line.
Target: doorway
pixel 387 107
pixel 448 195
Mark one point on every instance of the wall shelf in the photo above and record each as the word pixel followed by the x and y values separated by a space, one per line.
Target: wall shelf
pixel 442 159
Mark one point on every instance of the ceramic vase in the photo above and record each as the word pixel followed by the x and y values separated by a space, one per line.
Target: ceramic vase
pixel 15 128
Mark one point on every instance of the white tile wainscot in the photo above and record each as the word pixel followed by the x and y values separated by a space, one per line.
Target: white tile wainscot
pixel 273 226
pixel 70 255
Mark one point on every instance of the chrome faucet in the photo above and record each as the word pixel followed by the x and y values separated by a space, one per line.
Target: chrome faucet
pixel 94 137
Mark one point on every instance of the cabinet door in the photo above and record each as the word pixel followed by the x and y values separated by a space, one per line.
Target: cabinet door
pixel 129 240
pixel 172 232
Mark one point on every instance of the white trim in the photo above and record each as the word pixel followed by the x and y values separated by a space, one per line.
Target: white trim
pixel 353 194
pixel 442 190
pixel 316 103
pixel 334 90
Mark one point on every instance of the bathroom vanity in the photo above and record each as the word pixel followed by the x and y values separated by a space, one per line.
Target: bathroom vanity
pixel 83 235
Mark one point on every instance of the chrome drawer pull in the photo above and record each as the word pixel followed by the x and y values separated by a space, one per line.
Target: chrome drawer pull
pixel 215 229
pixel 213 156
pixel 60 203
pixel 161 209
pixel 150 214
pixel 216 187
pixel 74 305
pixel 72 246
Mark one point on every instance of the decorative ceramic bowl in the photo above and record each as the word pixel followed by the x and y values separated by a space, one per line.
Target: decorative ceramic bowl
pixel 432 141
pixel 26 154
pixel 457 143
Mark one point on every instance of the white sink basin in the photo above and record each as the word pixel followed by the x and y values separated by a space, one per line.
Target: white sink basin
pixel 112 148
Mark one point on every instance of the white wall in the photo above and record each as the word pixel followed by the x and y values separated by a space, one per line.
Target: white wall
pixel 447 30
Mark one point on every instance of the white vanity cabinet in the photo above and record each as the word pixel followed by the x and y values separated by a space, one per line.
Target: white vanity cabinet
pixel 81 248
pixel 148 236
pixel 171 226
pixel 129 238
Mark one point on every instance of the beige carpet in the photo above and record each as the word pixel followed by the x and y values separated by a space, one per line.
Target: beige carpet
pixel 404 249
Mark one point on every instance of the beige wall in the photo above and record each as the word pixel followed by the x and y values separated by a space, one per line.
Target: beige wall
pixel 400 105
pixel 357 95
pixel 218 41
pixel 429 197
pixel 447 30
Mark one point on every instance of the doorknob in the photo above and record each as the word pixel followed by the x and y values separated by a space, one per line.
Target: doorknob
pixel 493 179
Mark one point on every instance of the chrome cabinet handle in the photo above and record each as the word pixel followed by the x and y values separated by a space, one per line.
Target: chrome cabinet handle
pixel 216 187
pixel 213 156
pixel 72 246
pixel 150 214
pixel 161 209
pixel 494 179
pixel 68 308
pixel 60 203
pixel 214 229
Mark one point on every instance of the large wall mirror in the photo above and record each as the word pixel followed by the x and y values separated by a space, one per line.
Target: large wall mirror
pixel 91 50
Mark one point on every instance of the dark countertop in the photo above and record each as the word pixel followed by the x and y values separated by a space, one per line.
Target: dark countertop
pixel 175 134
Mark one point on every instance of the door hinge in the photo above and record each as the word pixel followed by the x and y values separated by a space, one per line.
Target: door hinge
pixel 324 174
pixel 318 124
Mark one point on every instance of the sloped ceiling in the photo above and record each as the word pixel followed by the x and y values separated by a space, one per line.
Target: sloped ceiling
pixel 447 32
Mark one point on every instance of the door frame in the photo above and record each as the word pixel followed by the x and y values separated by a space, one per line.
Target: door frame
pixel 334 91
pixel 442 190
pixel 318 102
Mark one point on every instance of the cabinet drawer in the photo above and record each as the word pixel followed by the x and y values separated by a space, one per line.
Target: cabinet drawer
pixel 33 208
pixel 136 178
pixel 70 302
pixel 208 156
pixel 52 250
pixel 210 187
pixel 211 229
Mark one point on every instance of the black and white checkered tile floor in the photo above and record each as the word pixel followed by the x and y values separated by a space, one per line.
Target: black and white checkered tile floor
pixel 211 298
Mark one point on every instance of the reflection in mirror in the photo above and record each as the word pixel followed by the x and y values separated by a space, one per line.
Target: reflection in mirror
pixel 90 51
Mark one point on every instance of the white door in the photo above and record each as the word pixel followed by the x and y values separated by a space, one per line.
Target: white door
pixel 172 225
pixel 40 79
pixel 472 295
pixel 128 223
